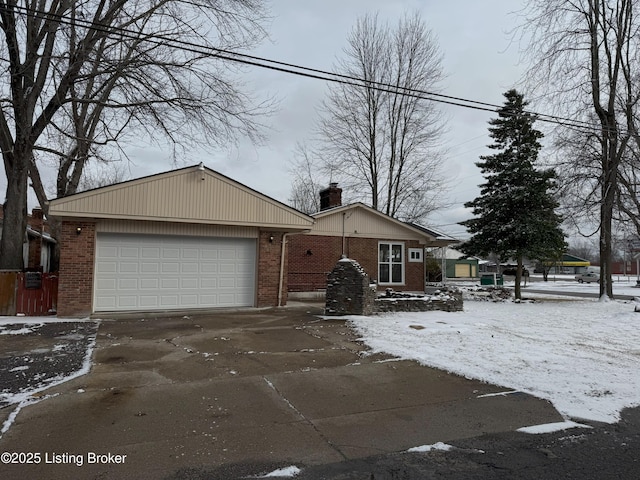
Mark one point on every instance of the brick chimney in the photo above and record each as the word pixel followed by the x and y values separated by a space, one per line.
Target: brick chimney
pixel 36 220
pixel 330 197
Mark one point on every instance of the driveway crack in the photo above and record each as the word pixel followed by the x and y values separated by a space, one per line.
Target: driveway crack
pixel 304 418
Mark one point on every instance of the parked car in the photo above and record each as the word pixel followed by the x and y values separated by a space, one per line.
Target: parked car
pixel 512 271
pixel 588 277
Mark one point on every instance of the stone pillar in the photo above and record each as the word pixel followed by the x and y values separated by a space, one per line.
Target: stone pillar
pixel 349 290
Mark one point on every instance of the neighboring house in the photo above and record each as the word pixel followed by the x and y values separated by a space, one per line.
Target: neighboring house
pixel 39 247
pixel 568 264
pixel 185 239
pixel 457 264
pixel 390 251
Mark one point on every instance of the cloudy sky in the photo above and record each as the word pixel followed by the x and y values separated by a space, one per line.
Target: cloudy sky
pixel 480 62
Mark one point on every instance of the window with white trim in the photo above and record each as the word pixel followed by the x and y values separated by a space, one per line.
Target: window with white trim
pixel 390 263
pixel 415 255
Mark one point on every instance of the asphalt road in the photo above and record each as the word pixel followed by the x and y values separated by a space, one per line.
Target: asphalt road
pixel 605 452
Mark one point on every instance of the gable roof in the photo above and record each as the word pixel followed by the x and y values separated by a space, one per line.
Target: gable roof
pixel 360 220
pixel 193 194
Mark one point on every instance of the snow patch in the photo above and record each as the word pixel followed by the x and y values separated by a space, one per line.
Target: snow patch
pixel 429 448
pixel 286 472
pixel 551 427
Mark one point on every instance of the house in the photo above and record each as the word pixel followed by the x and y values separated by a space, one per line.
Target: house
pixel 38 248
pixel 568 264
pixel 456 263
pixel 390 251
pixel 190 238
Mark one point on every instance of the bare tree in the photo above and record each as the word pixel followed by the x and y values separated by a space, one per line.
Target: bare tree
pixel 305 185
pixel 585 54
pixel 81 74
pixel 380 143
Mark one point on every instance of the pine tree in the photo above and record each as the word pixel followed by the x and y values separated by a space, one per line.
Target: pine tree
pixel 514 216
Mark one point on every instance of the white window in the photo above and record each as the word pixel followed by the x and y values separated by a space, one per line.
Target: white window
pixel 415 254
pixel 390 263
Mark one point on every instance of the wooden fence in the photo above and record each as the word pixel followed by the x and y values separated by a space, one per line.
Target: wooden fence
pixel 28 293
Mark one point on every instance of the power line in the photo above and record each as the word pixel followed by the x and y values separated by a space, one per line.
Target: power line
pixel 295 69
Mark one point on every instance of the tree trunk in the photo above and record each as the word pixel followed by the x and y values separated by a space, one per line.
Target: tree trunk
pixel 606 214
pixel 15 213
pixel 517 290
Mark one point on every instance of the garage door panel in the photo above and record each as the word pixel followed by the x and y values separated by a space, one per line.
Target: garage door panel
pixel 190 253
pixel 127 302
pixel 170 283
pixel 209 268
pixel 107 267
pixel 190 268
pixel 189 283
pixel 127 284
pixel 149 283
pixel 208 283
pixel 129 267
pixel 170 253
pixel 167 301
pixel 227 268
pixel 107 284
pixel 189 300
pixel 170 267
pixel 146 272
pixel 149 268
pixel 146 252
pixel 129 252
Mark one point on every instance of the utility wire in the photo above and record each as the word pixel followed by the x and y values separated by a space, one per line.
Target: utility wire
pixel 295 69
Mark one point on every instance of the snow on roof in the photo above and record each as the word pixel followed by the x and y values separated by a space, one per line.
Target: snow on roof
pixel 434 233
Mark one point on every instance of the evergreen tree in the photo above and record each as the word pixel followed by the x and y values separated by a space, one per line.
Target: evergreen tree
pixel 514 216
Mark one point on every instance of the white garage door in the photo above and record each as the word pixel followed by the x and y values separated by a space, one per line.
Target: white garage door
pixel 154 272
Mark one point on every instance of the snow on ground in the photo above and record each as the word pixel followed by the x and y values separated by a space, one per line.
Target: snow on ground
pixel 429 448
pixel 291 471
pixel 582 355
pixel 552 427
pixel 66 355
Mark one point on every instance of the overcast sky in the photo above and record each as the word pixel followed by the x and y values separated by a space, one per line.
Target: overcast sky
pixel 480 62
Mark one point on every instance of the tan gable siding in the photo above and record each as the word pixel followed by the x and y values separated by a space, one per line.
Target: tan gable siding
pixel 182 196
pixel 182 229
pixel 359 222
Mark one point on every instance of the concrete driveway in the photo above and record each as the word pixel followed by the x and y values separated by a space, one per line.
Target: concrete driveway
pixel 186 397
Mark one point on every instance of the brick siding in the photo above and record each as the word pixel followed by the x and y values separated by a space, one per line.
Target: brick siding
pixel 312 257
pixel 77 258
pixel 269 269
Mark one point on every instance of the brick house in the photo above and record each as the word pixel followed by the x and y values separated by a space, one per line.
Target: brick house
pixel 39 245
pixel 184 239
pixel 390 251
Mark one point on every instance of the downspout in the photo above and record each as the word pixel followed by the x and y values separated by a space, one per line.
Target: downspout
pixel 424 269
pixel 344 218
pixel 282 252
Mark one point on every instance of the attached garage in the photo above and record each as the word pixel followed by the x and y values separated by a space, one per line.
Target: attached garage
pixel 151 272
pixel 185 239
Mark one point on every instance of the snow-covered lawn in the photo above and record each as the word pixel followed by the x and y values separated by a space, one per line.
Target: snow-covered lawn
pixel 582 355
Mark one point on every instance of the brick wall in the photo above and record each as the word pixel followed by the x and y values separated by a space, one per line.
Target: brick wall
pixel 77 254
pixel 269 250
pixel 312 257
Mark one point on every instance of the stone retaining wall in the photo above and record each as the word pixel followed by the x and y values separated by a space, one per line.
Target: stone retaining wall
pixel 447 300
pixel 349 292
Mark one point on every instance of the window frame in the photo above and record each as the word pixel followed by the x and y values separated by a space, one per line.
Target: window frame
pixel 390 244
pixel 419 258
